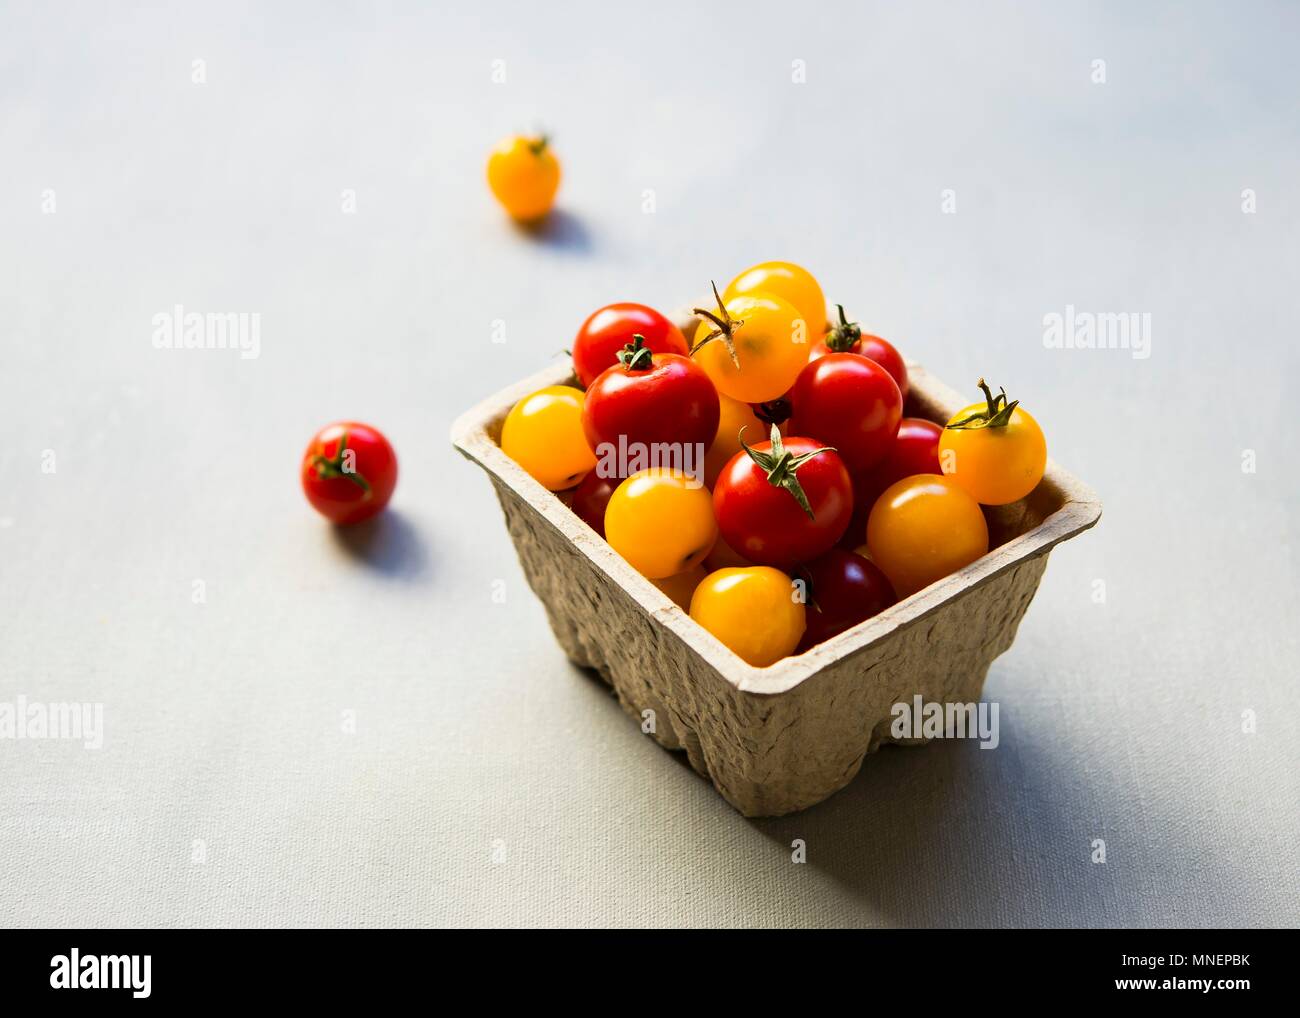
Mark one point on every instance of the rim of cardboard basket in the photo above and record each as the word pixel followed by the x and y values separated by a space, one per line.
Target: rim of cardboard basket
pixel 471 435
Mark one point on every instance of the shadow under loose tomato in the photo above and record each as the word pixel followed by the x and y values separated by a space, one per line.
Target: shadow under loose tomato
pixel 388 543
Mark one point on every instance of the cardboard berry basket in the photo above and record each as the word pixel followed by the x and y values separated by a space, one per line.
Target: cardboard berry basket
pixel 778 739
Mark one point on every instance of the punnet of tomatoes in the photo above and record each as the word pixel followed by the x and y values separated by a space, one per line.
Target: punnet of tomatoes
pixel 761 468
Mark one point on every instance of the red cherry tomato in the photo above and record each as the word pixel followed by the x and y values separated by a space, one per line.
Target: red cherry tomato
pixel 849 403
pixel 651 400
pixel 348 472
pixel 848 337
pixel 915 451
pixel 843 590
pixel 590 499
pixel 783 502
pixel 607 330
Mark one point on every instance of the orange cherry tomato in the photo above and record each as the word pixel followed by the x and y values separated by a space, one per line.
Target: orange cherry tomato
pixel 791 283
pixel 923 528
pixel 661 521
pixel 734 415
pixel 754 611
pixel 543 434
pixel 524 175
pixel 752 347
pixel 679 588
pixel 994 450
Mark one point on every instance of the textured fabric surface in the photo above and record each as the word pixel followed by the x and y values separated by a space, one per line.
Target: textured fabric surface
pixel 309 728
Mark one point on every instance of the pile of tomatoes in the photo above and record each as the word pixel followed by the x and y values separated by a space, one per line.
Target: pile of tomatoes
pixel 812 503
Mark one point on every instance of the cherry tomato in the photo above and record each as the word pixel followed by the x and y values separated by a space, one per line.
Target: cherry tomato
pixel 791 283
pixel 848 337
pixel 679 588
pixel 843 590
pixel 661 521
pixel 543 434
pixel 915 451
pixel 994 450
pixel 849 403
pixel 753 611
pixel 733 415
pixel 752 347
pixel 348 472
pixel 923 528
pixel 607 330
pixel 524 175
pixel 782 502
pixel 590 499
pixel 650 400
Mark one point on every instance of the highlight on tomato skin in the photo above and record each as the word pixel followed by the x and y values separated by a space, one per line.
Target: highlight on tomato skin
pixel 348 472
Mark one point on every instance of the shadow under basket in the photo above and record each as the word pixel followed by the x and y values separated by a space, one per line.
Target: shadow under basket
pixel 778 739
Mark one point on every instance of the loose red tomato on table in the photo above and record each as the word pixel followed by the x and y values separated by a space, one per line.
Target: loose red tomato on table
pixel 843 590
pixel 607 330
pixel 348 472
pixel 752 610
pixel 783 501
pixel 994 450
pixel 923 528
pixel 650 399
pixel 850 403
pixel 848 337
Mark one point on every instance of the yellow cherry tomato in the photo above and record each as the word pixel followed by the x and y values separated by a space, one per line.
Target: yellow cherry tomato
pixel 757 349
pixel 679 588
pixel 754 611
pixel 923 528
pixel 524 175
pixel 543 434
pixel 734 415
pixel 661 521
pixel 791 283
pixel 994 450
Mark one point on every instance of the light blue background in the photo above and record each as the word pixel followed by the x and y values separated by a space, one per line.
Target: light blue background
pixel 1120 721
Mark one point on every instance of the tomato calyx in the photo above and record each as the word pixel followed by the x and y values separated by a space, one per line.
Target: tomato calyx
pixel 726 326
pixel 996 415
pixel 330 468
pixel 538 145
pixel 782 466
pixel 636 356
pixel 845 336
pixel 774 411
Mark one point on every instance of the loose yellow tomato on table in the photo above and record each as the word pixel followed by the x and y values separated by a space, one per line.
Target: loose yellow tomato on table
pixel 791 283
pixel 524 175
pixel 994 450
pixel 923 528
pixel 543 434
pixel 661 521
pixel 753 611
pixel 751 347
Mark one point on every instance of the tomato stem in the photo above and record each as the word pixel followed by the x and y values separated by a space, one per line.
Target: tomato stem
pixel 774 411
pixel 726 327
pixel 636 356
pixel 997 414
pixel 782 466
pixel 844 336
pixel 538 145
pixel 330 468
